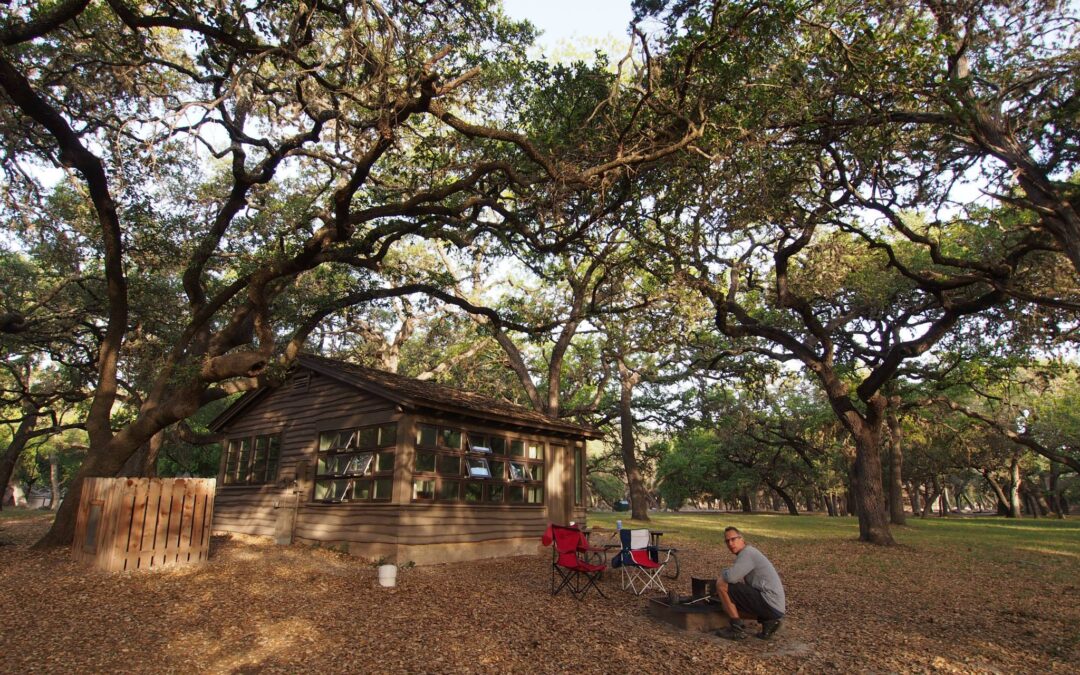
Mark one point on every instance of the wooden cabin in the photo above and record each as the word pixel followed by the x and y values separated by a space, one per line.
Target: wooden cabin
pixel 386 466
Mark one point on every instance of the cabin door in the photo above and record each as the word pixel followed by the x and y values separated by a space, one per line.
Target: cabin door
pixel 561 499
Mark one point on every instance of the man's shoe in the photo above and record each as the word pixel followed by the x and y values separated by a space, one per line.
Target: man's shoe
pixel 735 631
pixel 769 628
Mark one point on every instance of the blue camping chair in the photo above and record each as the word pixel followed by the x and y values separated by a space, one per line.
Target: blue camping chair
pixel 637 562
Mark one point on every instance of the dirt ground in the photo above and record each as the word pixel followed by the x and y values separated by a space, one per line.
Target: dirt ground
pixel 259 607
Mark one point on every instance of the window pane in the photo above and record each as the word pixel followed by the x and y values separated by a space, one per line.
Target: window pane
pixel 450 465
pixel 498 469
pixel 369 438
pixel 534 495
pixel 388 434
pixel 272 457
pixel 449 490
pixel 425 436
pixel 495 493
pixel 383 488
pixel 425 461
pixel 451 438
pixel 344 465
pixel 536 451
pixel 327 440
pixel 478 443
pixel 356 465
pixel 385 461
pixel 244 465
pixel 518 471
pixel 473 492
pixel 498 445
pixel 326 465
pixel 231 461
pixel 349 440
pixel 331 490
pixel 517 448
pixel 258 464
pixel 423 488
pixel 361 490
pixel 478 467
pixel 536 471
pixel 516 494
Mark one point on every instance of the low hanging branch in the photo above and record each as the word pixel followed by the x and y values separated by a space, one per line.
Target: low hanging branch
pixel 1025 439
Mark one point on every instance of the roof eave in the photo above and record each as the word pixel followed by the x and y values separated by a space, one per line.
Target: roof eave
pixel 570 430
pixel 415 403
pixel 240 404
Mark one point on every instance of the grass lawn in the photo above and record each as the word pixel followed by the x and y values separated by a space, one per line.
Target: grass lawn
pixel 956 595
pixel 1042 541
pixel 990 535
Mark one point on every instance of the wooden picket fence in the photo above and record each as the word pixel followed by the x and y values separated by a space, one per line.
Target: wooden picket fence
pixel 144 523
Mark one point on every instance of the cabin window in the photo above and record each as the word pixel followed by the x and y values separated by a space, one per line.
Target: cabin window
pixel 356 465
pixel 252 460
pixel 458 465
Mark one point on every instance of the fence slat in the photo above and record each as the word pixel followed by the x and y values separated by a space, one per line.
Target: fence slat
pixel 176 514
pixel 187 516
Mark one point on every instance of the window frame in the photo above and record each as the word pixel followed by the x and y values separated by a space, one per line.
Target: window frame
pixel 357 446
pixel 491 450
pixel 247 447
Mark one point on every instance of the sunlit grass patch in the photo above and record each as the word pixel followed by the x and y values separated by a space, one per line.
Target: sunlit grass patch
pixel 986 538
pixel 709 527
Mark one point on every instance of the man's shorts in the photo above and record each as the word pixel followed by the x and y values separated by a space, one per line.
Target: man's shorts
pixel 748 600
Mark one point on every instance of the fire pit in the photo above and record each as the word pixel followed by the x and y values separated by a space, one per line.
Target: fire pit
pixel 701 611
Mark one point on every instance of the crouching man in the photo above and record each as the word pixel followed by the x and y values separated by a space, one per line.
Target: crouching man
pixel 751 586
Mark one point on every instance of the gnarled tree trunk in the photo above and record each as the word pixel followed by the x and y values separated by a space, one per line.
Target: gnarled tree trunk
pixel 932 492
pixel 15 449
pixel 870 497
pixel 54 481
pixel 913 494
pixel 789 501
pixel 639 498
pixel 1014 488
pixel 1003 501
pixel 896 460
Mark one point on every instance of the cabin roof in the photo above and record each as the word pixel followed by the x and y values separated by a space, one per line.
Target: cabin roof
pixel 419 395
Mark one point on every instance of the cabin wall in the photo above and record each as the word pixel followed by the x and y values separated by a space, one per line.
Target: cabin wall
pixel 297 413
pixel 401 530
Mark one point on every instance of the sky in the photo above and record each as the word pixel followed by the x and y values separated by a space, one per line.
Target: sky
pixel 573 21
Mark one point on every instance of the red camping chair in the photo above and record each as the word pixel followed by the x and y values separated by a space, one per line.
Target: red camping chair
pixel 640 571
pixel 568 562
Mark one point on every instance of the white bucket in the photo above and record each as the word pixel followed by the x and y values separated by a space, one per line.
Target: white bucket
pixel 387 575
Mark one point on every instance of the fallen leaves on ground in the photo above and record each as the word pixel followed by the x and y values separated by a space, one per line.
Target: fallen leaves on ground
pixel 259 607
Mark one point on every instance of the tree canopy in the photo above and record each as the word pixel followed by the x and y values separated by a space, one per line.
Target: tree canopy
pixel 760 247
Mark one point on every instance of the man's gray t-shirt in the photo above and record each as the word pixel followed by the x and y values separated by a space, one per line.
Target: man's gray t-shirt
pixel 754 568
